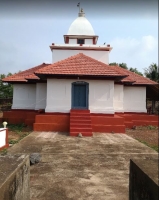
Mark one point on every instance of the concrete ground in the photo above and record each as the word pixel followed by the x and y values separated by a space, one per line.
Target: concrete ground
pixel 74 168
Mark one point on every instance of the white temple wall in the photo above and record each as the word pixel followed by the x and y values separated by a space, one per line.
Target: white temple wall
pixel 24 96
pixel 58 95
pixel 73 41
pixel 134 99
pixel 100 96
pixel 61 54
pixel 89 41
pixel 118 98
pixel 41 90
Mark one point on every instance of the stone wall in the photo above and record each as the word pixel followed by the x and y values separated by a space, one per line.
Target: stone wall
pixel 143 181
pixel 14 177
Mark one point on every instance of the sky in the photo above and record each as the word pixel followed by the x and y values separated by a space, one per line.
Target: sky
pixel 29 27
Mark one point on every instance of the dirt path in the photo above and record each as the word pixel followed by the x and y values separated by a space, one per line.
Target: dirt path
pixel 75 168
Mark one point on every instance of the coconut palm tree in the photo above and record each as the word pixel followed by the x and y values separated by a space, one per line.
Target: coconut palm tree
pixel 152 72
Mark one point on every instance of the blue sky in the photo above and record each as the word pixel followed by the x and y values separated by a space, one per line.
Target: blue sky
pixel 29 27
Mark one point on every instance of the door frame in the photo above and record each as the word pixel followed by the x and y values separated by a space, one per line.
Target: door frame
pixel 87 94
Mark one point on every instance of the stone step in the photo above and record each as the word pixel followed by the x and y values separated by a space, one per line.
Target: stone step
pixel 80 122
pixel 77 125
pixel 79 111
pixel 108 128
pixel 82 118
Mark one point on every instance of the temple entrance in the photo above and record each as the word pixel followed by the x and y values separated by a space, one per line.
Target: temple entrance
pixel 80 95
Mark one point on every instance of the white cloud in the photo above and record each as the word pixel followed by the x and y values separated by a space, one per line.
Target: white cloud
pixel 139 53
pixel 149 43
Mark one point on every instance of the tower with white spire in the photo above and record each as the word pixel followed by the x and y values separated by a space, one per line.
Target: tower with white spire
pixel 80 38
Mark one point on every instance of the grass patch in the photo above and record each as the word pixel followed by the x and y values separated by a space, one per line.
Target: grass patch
pixel 24 135
pixel 20 129
pixel 13 141
pixel 152 127
pixel 149 127
pixel 21 136
pixel 16 127
pixel 3 152
pixel 154 147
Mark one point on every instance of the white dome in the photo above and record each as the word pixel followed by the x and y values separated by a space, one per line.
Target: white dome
pixel 81 26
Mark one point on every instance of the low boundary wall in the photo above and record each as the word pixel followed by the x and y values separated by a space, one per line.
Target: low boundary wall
pixel 143 180
pixel 14 177
pixel 3 138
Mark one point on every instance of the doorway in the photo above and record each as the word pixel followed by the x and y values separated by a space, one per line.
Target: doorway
pixel 80 95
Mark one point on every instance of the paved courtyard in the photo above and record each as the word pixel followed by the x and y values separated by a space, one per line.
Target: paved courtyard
pixel 74 168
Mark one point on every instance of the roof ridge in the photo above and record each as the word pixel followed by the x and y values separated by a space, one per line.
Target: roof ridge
pixel 79 64
pixel 76 56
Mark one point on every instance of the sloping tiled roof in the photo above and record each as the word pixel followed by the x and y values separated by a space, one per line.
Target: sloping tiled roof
pixel 79 64
pixel 24 75
pixel 132 77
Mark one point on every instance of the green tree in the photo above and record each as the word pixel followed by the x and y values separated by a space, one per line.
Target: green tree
pixel 113 63
pixel 136 71
pixel 152 72
pixel 6 89
pixel 123 65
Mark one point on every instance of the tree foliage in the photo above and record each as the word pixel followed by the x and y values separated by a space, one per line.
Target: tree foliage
pixel 135 71
pixel 124 66
pixel 6 89
pixel 113 63
pixel 152 72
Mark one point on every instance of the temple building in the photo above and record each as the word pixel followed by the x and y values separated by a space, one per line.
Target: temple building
pixel 79 92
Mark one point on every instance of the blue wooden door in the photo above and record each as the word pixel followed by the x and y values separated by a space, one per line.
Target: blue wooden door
pixel 79 96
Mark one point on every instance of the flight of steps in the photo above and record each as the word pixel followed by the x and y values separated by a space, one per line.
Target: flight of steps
pixel 80 122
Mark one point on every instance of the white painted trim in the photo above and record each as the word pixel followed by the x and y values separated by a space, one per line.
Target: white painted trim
pixel 2 137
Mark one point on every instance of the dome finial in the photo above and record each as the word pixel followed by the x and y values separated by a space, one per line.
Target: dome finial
pixel 81 12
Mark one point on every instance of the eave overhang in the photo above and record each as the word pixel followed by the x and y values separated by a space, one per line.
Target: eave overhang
pixel 81 47
pixel 80 76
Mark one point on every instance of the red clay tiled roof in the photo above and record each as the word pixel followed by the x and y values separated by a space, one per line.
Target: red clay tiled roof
pixel 133 78
pixel 79 64
pixel 24 75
